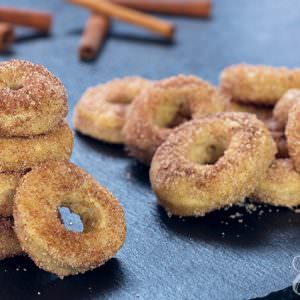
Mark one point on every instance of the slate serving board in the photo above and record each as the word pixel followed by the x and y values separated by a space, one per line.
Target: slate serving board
pixel 216 257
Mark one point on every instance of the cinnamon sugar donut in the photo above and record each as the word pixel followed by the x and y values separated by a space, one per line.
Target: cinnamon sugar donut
pixel 258 84
pixel 41 232
pixel 21 153
pixel 8 186
pixel 281 186
pixel 210 163
pixel 292 132
pixel 165 105
pixel 9 244
pixel 101 111
pixel 33 100
pixel 283 106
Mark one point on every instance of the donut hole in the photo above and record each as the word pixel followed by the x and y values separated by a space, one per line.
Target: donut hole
pixel 70 220
pixel 208 150
pixel 80 215
pixel 172 113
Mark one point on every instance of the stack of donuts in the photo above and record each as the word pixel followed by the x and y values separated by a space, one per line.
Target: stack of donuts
pixel 208 147
pixel 33 107
pixel 37 179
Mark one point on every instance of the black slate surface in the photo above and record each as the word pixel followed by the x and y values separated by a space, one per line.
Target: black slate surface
pixel 215 257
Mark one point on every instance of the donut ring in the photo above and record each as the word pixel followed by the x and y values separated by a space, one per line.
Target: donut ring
pixel 9 244
pixel 292 132
pixel 282 107
pixel 258 84
pixel 43 236
pixel 8 186
pixel 20 153
pixel 281 187
pixel 33 100
pixel 101 111
pixel 210 163
pixel 166 104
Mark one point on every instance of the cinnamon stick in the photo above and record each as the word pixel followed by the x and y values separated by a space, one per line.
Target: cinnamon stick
pixel 7 36
pixel 41 21
pixel 191 8
pixel 109 9
pixel 93 36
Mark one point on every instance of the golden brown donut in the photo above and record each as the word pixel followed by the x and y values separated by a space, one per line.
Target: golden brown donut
pixel 9 244
pixel 8 185
pixel 101 112
pixel 41 232
pixel 281 186
pixel 258 84
pixel 21 153
pixel 210 163
pixel 166 104
pixel 33 100
pixel 292 132
pixel 283 106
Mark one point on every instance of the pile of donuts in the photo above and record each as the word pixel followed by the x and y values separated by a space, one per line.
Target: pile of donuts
pixel 207 147
pixel 36 179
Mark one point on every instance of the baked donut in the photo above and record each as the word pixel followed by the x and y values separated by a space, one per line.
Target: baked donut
pixel 9 244
pixel 101 111
pixel 292 132
pixel 210 163
pixel 8 186
pixel 22 153
pixel 166 104
pixel 33 100
pixel 282 107
pixel 281 186
pixel 41 232
pixel 258 84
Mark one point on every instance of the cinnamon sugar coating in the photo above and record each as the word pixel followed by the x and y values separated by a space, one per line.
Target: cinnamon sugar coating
pixel 166 104
pixel 292 132
pixel 9 244
pixel 102 110
pixel 22 153
pixel 281 186
pixel 210 163
pixel 8 185
pixel 32 100
pixel 258 84
pixel 282 107
pixel 43 236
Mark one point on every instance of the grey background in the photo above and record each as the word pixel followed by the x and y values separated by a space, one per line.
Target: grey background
pixel 167 258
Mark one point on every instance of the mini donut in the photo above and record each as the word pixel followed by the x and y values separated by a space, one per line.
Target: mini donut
pixel 292 132
pixel 281 186
pixel 283 106
pixel 258 84
pixel 166 104
pixel 41 232
pixel 8 186
pixel 210 163
pixel 9 244
pixel 33 100
pixel 101 111
pixel 22 153
pixel 262 112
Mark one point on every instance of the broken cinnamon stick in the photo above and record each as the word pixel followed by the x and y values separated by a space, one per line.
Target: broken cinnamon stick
pixel 191 8
pixel 41 21
pixel 7 36
pixel 93 36
pixel 109 9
